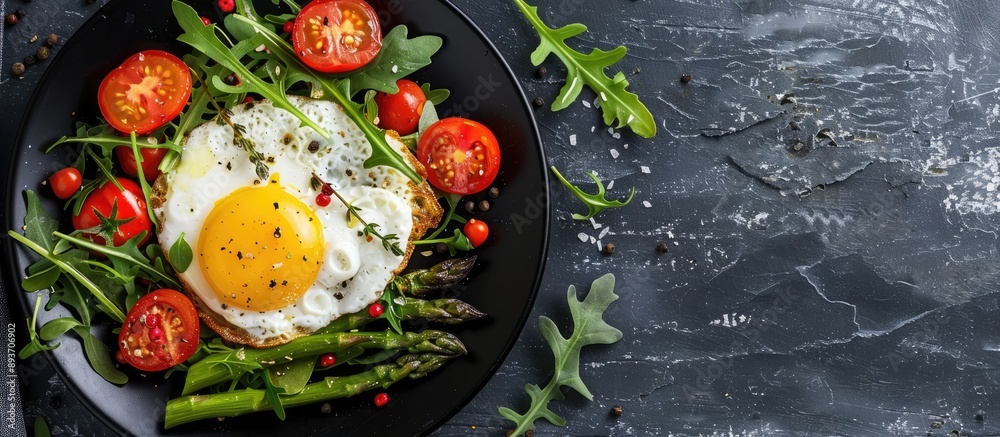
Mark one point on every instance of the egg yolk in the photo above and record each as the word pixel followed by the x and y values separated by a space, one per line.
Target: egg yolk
pixel 261 248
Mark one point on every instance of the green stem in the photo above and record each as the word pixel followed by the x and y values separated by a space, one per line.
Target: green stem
pixel 112 309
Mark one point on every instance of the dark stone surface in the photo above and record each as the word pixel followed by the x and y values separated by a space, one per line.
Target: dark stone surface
pixel 827 184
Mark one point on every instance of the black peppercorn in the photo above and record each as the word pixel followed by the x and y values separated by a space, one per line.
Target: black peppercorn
pixel 326 408
pixel 29 60
pixel 609 249
pixel 440 248
pixel 529 433
pixel 470 206
pixel 21 13
pixel 662 248
pixel 10 20
pixel 538 102
pixel 43 53
pixel 685 78
pixel 90 2
pixel 541 72
pixel 484 205
pixel 231 80
pixel 494 192
pixel 314 147
pixel 17 69
pixel 616 411
pixel 51 40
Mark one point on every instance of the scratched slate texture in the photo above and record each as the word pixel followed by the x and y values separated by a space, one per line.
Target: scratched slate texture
pixel 828 185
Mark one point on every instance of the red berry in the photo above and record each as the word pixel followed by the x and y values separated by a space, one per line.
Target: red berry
pixel 227 5
pixel 381 399
pixel 247 99
pixel 289 26
pixel 327 360
pixel 327 189
pixel 322 200
pixel 206 21
pixel 375 310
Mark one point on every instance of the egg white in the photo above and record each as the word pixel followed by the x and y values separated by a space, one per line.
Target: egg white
pixel 354 270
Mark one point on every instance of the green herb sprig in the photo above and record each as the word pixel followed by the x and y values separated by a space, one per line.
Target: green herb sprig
pixel 390 242
pixel 595 202
pixel 588 69
pixel 589 328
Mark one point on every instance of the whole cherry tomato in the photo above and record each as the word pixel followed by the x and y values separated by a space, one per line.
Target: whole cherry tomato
pixel 160 331
pixel 333 36
pixel 476 231
pixel 147 91
pixel 66 182
pixel 401 111
pixel 150 161
pixel 462 156
pixel 130 205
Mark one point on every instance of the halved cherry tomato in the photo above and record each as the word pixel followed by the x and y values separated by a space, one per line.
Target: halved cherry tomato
pixel 160 331
pixel 462 156
pixel 65 182
pixel 131 208
pixel 401 111
pixel 148 90
pixel 476 231
pixel 150 161
pixel 333 36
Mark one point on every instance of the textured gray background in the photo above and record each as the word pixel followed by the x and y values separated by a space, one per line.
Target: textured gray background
pixel 840 284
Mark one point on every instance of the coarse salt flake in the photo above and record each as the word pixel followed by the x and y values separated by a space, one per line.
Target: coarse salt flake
pixel 585 103
pixel 572 140
pixel 614 154
pixel 644 169
pixel 583 237
pixel 611 184
pixel 647 204
pixel 595 224
pixel 604 232
pixel 395 69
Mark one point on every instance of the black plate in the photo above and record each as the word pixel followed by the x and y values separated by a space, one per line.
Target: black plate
pixel 503 285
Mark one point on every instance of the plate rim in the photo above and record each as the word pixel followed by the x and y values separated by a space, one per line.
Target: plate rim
pixel 9 274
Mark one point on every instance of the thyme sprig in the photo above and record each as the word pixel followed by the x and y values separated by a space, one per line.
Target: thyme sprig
pixel 390 242
pixel 240 140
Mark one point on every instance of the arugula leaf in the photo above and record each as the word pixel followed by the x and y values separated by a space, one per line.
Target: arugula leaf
pixel 588 69
pixel 41 428
pixel 392 312
pixel 455 243
pixel 398 57
pixel 588 328
pixel 181 254
pixel 56 327
pixel 595 202
pixel 437 96
pixel 99 357
pixel 271 392
pixel 34 346
pixel 38 224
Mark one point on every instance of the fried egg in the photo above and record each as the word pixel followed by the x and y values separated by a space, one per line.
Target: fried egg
pixel 271 264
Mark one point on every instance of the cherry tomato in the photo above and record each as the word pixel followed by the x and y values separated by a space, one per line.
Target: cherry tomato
pixel 160 331
pixel 65 182
pixel 462 156
pixel 333 36
pixel 148 90
pixel 131 206
pixel 476 231
pixel 401 111
pixel 150 161
pixel 288 27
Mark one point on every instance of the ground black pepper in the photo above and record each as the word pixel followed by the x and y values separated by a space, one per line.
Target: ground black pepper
pixel 17 68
